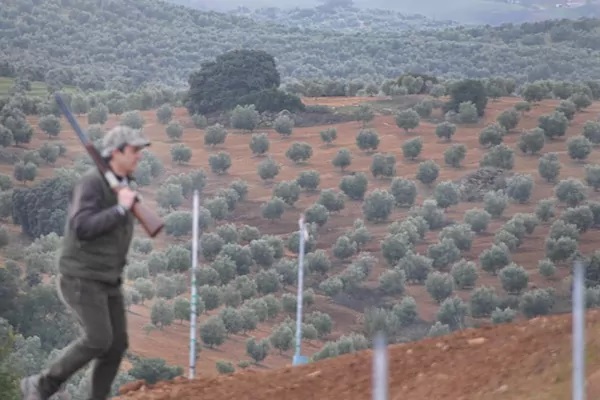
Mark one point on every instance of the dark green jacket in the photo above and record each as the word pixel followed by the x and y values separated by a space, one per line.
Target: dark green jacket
pixel 97 236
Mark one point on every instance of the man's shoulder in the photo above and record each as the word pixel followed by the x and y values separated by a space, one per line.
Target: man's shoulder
pixel 91 179
pixel 91 175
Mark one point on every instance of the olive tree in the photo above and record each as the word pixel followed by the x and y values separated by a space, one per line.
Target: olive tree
pixel 259 143
pixel 283 125
pixel 445 130
pixel 554 125
pixel 245 117
pixel 532 141
pixel 214 135
pixel 579 148
pixel 407 119
pixel 478 219
pixel 571 191
pixel 378 205
pixel 549 167
pixel 299 152
pixel 427 172
pixel 520 187
pixel 404 191
pixel 342 159
pixel 446 194
pixel 219 162
pixel 455 154
pixel 592 176
pixel 591 131
pixel 412 148
pixel 268 169
pixel 367 140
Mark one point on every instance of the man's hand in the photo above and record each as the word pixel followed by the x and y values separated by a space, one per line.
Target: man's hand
pixel 126 197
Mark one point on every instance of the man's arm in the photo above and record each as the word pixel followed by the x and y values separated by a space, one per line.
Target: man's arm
pixel 89 220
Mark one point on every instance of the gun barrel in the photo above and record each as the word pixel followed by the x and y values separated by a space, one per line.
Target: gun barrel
pixel 69 115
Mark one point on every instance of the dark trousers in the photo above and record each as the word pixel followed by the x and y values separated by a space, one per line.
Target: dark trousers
pixel 100 310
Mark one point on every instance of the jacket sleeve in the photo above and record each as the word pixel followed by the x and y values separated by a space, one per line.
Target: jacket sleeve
pixel 88 219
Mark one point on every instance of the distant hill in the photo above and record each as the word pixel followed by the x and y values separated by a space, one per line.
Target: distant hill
pixel 123 44
pixel 347 19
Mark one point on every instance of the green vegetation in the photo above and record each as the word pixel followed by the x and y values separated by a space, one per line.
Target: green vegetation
pixel 38 89
pixel 35 89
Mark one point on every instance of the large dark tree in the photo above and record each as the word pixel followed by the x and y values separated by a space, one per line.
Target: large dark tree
pixel 41 210
pixel 9 293
pixel 41 313
pixel 219 84
pixel 467 90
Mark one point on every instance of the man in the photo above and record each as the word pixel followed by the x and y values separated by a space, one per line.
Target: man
pixel 94 252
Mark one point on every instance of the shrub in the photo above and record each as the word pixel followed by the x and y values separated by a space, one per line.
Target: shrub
pixel 455 154
pixel 439 285
pixel 445 130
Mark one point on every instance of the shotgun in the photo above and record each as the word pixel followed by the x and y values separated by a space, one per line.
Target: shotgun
pixel 150 221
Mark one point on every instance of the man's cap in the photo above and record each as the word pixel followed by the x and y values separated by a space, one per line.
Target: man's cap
pixel 122 135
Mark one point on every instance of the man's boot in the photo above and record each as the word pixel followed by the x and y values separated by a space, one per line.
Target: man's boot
pixel 30 388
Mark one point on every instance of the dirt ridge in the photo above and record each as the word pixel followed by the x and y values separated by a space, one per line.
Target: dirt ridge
pixel 525 360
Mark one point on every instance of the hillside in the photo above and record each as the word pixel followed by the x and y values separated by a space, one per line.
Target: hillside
pixel 164 43
pixel 522 361
pixel 346 308
pixel 349 307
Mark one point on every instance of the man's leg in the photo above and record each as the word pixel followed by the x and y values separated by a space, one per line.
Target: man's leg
pixel 89 302
pixel 107 365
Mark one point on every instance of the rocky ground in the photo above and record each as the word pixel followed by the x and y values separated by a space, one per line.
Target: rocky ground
pixel 475 185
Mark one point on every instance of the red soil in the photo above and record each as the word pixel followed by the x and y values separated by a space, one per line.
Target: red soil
pixel 525 361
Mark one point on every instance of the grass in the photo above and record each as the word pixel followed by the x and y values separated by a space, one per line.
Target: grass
pixel 395 103
pixel 384 106
pixel 38 89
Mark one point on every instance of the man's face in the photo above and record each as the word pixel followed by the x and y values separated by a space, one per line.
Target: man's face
pixel 128 159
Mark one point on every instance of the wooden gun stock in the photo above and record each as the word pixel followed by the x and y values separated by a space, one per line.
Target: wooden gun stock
pixel 148 218
pixel 150 221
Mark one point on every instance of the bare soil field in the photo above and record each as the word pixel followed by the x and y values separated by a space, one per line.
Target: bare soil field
pixel 172 342
pixel 529 360
pixel 338 101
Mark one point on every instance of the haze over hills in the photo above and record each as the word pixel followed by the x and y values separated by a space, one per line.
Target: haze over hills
pixel 493 12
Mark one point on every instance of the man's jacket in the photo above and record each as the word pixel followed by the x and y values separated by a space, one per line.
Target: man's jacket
pixel 97 235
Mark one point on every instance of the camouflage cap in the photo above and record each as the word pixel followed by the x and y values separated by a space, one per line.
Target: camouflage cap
pixel 122 135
